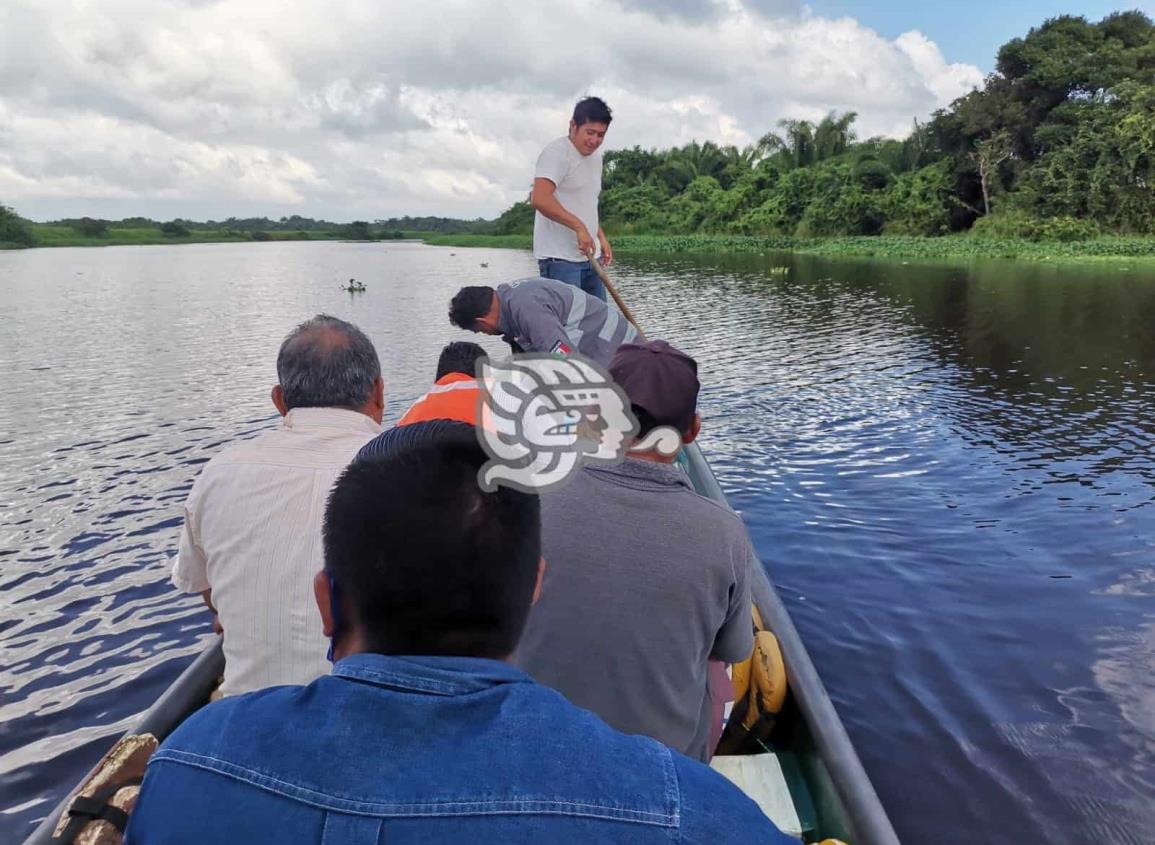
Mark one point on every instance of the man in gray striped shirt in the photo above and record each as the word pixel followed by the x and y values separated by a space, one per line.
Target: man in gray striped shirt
pixel 544 316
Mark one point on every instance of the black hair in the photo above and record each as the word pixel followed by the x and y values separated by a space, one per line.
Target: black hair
pixel 461 356
pixel 326 362
pixel 592 110
pixel 425 561
pixel 469 304
pixel 407 437
pixel 646 421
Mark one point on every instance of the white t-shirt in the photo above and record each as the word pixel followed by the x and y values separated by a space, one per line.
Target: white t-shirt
pixel 579 182
pixel 252 534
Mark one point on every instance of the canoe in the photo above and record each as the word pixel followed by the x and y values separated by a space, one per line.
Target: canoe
pixel 828 787
pixel 807 777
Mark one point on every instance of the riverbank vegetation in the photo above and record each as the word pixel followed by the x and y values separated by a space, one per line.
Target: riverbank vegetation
pixel 1058 145
pixel 14 231
pixel 1122 250
pixel 88 231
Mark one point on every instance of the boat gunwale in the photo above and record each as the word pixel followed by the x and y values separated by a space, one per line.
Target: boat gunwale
pixel 869 822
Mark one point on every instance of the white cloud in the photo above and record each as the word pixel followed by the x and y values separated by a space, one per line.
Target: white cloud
pixel 944 81
pixel 373 108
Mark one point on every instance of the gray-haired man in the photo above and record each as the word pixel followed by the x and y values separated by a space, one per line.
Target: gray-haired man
pixel 252 530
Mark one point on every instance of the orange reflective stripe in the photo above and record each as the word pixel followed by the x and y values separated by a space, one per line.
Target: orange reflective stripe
pixel 456 385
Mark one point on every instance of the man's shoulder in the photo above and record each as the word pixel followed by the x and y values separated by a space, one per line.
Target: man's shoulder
pixel 534 287
pixel 558 146
pixel 662 482
pixel 221 467
pixel 714 512
pixel 243 736
pixel 534 283
pixel 240 451
pixel 230 720
pixel 286 450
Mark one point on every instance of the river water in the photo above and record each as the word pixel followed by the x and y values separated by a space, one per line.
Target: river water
pixel 949 472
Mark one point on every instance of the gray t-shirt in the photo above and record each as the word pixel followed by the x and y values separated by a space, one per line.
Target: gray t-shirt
pixel 645 581
pixel 579 182
pixel 551 317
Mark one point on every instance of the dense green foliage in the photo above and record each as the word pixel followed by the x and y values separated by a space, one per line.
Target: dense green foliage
pixel 444 225
pixel 88 228
pixel 86 231
pixel 141 230
pixel 1059 144
pixel 14 231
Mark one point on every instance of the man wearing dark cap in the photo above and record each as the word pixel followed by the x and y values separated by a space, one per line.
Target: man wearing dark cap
pixel 647 580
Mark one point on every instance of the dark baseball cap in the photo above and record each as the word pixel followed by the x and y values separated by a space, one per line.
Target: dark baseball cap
pixel 659 379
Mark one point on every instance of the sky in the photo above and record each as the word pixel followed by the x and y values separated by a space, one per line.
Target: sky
pixel 968 31
pixel 367 109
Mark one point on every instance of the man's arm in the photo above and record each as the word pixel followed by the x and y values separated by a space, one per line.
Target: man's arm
pixel 540 330
pixel 207 595
pixel 735 640
pixel 544 199
pixel 190 570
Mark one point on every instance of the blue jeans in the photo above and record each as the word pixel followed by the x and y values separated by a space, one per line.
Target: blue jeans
pixel 577 273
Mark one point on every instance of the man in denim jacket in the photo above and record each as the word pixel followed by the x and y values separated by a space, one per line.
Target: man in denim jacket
pixel 423 732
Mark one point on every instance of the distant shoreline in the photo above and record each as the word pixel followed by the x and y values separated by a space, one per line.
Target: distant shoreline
pixel 1118 250
pixel 48 235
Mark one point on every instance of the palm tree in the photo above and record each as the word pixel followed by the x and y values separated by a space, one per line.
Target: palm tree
pixel 799 141
pixel 769 145
pixel 833 135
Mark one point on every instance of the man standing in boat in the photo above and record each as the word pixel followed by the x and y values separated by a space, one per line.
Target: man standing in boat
pixel 566 185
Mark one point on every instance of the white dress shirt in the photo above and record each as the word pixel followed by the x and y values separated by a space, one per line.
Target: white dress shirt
pixel 252 534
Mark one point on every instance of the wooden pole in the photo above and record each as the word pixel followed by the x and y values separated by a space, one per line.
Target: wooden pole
pixel 621 303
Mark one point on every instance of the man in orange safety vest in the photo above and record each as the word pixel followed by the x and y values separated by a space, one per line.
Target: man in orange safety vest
pixel 455 395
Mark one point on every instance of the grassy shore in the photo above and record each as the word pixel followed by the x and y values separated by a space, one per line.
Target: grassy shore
pixel 49 235
pixel 953 247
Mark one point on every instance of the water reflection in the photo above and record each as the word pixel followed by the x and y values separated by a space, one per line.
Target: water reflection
pixel 947 469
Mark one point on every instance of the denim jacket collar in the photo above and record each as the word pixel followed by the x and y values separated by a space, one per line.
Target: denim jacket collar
pixel 449 676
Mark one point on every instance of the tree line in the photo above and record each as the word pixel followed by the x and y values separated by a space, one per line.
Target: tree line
pixel 15 231
pixel 1059 143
